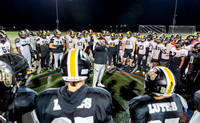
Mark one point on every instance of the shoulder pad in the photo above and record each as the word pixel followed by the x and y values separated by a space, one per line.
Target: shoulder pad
pixel 136 100
pixel 184 102
pixel 99 90
pixel 25 100
pixel 17 40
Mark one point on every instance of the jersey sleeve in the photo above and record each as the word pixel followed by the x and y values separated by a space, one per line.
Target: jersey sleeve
pixel 104 109
pixel 17 42
pixel 184 53
pixel 137 110
pixel 25 101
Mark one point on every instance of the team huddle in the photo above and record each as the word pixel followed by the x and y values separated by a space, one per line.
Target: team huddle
pixel 165 61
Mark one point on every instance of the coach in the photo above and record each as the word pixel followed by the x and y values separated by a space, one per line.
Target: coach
pixel 100 60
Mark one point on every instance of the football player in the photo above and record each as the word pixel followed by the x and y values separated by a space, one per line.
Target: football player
pixel 91 42
pixel 112 50
pixel 128 49
pixel 195 38
pixel 44 52
pixel 151 44
pixel 5 46
pixel 87 40
pixel 7 40
pixel 76 102
pixel 156 51
pixel 24 48
pixel 193 68
pixel 56 44
pixel 120 52
pixel 165 52
pixel 38 37
pixel 177 58
pixel 142 49
pixel 68 39
pixel 160 104
pixel 80 42
pixel 196 116
pixel 16 102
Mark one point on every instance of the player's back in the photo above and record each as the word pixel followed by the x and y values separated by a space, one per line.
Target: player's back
pixel 86 105
pixel 145 109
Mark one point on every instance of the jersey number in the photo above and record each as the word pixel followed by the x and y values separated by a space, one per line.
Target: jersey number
pixel 171 120
pixel 4 50
pixel 128 43
pixel 59 42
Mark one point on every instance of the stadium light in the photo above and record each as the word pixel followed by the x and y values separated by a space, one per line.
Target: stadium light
pixel 174 19
pixel 57 20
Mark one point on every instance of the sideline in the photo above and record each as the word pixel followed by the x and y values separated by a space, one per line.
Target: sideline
pixel 56 73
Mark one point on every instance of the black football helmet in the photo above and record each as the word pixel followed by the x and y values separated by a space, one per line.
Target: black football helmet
pixel 72 34
pixel 39 33
pixel 129 34
pixel 99 35
pixel 18 63
pixel 121 36
pixel 160 81
pixel 149 37
pixel 3 32
pixel 75 66
pixel 159 39
pixel 112 36
pixel 90 32
pixel 44 34
pixel 78 35
pixel 27 32
pixel 48 33
pixel 179 43
pixel 8 86
pixel 196 45
pixel 22 34
pixel 2 38
pixel 57 33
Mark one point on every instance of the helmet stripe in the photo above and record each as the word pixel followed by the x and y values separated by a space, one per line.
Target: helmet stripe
pixel 72 63
pixel 171 81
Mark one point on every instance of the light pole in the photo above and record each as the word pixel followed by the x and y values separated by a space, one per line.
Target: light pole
pixel 57 20
pixel 174 20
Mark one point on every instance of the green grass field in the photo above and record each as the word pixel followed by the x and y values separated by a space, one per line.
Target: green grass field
pixel 122 86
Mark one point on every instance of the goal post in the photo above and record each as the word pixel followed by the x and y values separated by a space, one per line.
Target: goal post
pixel 153 28
pixel 182 29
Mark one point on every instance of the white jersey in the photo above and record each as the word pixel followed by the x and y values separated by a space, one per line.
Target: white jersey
pixel 195 117
pixel 32 42
pixel 107 38
pixel 87 40
pixel 156 51
pixel 179 53
pixel 188 47
pixel 68 40
pixel 23 44
pixel 151 44
pixel 129 42
pixel 43 42
pixel 166 51
pixel 50 37
pixel 95 42
pixel 142 47
pixel 4 48
pixel 79 43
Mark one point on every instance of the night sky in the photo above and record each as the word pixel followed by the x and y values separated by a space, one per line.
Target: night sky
pixel 78 14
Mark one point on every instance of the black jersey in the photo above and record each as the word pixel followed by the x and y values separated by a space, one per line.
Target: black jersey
pixel 58 43
pixel 194 58
pixel 25 100
pixel 86 105
pixel 145 109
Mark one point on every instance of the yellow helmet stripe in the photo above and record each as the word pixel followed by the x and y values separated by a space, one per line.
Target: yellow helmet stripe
pixel 72 63
pixel 171 81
